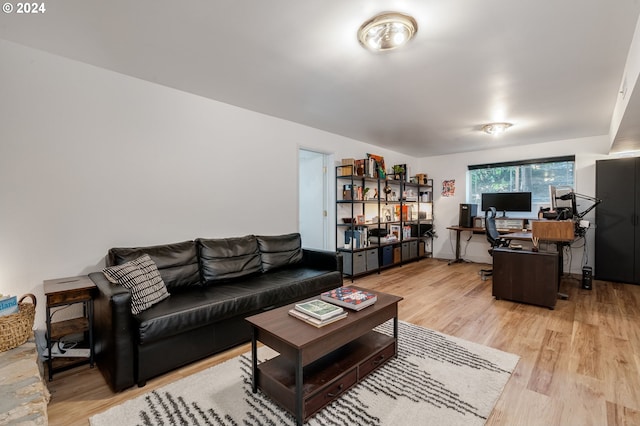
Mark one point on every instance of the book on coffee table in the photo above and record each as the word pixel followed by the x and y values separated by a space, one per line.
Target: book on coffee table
pixel 315 321
pixel 319 309
pixel 349 298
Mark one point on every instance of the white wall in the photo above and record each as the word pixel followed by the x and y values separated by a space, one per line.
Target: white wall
pixel 91 159
pixel 586 150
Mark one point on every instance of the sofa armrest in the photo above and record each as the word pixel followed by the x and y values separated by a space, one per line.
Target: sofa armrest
pixel 114 339
pixel 323 259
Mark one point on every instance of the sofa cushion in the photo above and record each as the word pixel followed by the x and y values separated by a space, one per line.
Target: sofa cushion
pixel 288 285
pixel 279 250
pixel 177 262
pixel 142 277
pixel 225 258
pixel 239 298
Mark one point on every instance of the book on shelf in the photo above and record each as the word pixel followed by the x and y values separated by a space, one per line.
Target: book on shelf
pixel 319 309
pixel 350 298
pixel 315 321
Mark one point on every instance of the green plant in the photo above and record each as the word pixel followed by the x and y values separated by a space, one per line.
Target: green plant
pixel 398 170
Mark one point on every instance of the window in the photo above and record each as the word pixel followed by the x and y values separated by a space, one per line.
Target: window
pixel 533 176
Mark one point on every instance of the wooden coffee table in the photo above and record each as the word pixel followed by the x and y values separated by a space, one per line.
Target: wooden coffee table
pixel 316 365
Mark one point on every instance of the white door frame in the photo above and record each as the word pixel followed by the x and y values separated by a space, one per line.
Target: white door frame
pixel 327 234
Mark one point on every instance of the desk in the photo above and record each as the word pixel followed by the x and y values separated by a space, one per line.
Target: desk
pixel 460 229
pixel 560 241
pixel 518 236
pixel 526 276
pixel 528 236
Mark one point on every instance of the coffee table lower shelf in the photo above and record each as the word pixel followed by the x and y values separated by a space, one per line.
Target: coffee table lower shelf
pixel 327 378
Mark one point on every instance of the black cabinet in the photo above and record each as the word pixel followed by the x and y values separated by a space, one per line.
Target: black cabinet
pixel 617 247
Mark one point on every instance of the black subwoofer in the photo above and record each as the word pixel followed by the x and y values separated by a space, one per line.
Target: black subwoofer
pixel 587 277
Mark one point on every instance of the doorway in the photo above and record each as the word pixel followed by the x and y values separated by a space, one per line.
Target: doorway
pixel 313 199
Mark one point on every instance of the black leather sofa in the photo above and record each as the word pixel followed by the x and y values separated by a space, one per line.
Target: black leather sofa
pixel 213 284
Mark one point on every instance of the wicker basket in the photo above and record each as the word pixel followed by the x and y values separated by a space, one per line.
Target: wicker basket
pixel 16 328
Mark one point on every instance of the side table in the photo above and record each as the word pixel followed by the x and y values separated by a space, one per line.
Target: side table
pixel 64 292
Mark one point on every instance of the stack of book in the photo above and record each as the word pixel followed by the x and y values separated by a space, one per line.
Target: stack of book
pixel 349 298
pixel 317 312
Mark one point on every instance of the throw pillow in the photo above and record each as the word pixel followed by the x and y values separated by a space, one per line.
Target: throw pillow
pixel 142 277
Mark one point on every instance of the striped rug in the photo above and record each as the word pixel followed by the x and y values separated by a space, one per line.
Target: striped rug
pixel 435 380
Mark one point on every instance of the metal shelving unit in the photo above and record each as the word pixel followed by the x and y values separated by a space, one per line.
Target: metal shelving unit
pixel 370 210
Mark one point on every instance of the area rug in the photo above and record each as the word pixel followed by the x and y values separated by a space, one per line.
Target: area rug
pixel 435 380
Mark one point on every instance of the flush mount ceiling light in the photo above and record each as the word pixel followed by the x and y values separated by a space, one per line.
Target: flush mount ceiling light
pixel 387 31
pixel 496 128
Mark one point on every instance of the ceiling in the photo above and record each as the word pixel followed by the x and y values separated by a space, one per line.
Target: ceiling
pixel 553 68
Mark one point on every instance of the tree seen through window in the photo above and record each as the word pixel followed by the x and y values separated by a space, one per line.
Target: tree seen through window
pixel 533 176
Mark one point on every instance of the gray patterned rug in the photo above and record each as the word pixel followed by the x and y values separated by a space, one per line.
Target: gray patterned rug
pixel 435 380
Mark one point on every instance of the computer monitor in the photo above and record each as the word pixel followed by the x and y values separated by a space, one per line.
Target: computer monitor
pixel 507 201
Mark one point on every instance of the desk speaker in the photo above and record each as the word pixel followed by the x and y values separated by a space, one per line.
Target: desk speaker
pixel 467 213
pixel 478 222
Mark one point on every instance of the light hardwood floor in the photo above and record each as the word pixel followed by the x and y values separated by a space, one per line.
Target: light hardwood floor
pixel 579 364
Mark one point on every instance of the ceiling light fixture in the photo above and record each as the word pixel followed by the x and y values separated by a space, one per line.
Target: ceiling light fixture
pixel 496 128
pixel 387 31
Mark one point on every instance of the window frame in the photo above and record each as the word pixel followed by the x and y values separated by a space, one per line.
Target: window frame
pixel 535 204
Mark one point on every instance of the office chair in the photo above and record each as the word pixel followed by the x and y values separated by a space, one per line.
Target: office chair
pixel 493 237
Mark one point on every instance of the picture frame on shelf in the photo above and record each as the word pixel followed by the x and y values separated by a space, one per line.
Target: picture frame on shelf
pixel 360 219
